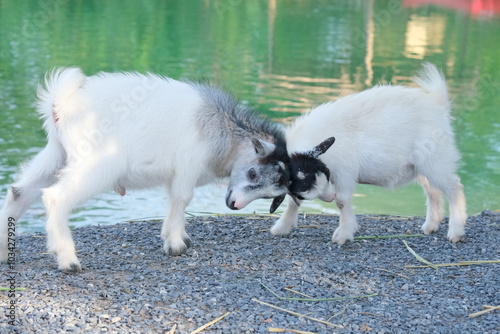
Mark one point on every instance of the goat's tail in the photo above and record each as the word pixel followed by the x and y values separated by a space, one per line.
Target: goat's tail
pixel 56 95
pixel 431 80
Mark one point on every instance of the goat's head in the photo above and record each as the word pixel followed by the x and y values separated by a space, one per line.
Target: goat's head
pixel 310 176
pixel 262 174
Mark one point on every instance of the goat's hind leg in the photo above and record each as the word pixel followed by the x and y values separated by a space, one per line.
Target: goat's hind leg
pixel 458 211
pixel 37 174
pixel 75 186
pixel 441 174
pixel 16 203
pixel 434 203
pixel 453 190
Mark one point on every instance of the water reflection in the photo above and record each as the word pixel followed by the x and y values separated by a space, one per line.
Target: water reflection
pixel 424 36
pixel 475 8
pixel 296 94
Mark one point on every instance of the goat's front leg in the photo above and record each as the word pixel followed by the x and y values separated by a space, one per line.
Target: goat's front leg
pixel 347 219
pixel 173 232
pixel 288 219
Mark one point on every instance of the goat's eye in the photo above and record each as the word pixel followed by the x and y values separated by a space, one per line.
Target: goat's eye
pixel 300 197
pixel 252 175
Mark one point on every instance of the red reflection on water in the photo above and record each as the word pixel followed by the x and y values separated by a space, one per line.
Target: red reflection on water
pixel 482 8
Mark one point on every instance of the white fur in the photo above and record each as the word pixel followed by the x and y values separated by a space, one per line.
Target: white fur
pixel 120 131
pixel 385 136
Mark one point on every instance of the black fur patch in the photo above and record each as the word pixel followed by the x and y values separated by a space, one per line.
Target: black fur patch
pixel 309 167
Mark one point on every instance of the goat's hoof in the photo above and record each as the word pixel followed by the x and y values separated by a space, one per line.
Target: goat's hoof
pixel 429 228
pixel 68 262
pixel 72 269
pixel 3 257
pixel 455 238
pixel 177 249
pixel 456 232
pixel 339 241
pixel 340 237
pixel 279 229
pixel 188 242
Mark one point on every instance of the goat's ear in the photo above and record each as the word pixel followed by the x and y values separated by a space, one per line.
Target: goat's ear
pixel 263 148
pixel 322 148
pixel 276 203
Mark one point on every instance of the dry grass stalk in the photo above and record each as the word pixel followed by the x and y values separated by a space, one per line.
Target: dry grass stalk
pixel 210 323
pixel 460 263
pixel 46 253
pixel 489 308
pixel 299 293
pixel 172 331
pixel 245 215
pixel 372 314
pixel 168 309
pixel 392 272
pixel 418 257
pixel 313 299
pixel 301 226
pixel 297 314
pixel 341 312
pixel 388 236
pixel 283 330
pixel 390 218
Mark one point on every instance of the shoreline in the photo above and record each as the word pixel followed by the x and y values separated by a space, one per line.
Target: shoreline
pixel 235 266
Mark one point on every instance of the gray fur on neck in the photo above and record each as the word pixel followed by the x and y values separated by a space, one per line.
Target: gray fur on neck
pixel 229 126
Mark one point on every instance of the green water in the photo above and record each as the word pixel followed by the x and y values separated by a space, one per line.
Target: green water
pixel 282 57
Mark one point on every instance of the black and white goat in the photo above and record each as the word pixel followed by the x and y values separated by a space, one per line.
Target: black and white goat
pixel 128 130
pixel 384 136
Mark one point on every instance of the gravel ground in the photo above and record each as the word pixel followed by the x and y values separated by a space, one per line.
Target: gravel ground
pixel 129 286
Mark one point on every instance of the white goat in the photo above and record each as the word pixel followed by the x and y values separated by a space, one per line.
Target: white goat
pixel 127 130
pixel 385 136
